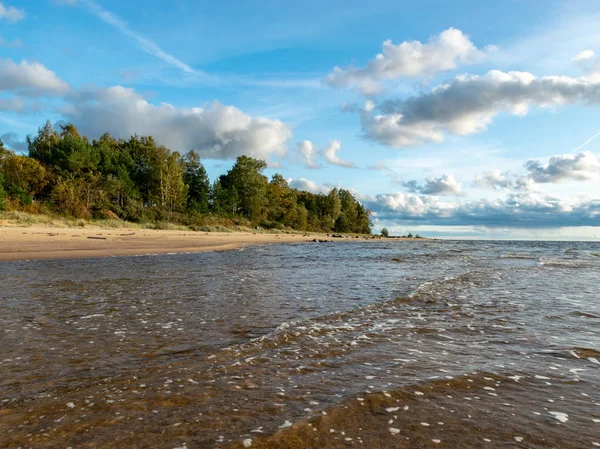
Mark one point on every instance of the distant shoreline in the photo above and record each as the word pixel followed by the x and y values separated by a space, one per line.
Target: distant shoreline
pixel 46 242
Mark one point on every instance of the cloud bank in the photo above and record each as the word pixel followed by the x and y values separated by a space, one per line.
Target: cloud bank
pixel 519 210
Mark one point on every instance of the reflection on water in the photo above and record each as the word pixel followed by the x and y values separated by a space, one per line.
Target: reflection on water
pixel 352 344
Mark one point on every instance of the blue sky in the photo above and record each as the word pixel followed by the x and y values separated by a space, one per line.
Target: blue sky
pixel 478 120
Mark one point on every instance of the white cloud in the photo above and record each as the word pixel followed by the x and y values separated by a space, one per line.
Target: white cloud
pixel 410 59
pixel 30 79
pixel 307 152
pixel 331 156
pixel 582 166
pixel 584 55
pixel 410 206
pixel 469 103
pixel 11 14
pixel 588 61
pixel 494 179
pixel 214 131
pixel 309 186
pixel 446 185
pixel 525 184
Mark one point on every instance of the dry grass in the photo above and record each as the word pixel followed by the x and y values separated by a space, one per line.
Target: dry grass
pixel 26 219
pixel 208 224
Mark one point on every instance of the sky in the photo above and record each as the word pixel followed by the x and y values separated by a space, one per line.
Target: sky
pixel 461 119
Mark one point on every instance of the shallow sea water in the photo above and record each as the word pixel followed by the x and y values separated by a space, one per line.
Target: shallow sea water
pixel 384 344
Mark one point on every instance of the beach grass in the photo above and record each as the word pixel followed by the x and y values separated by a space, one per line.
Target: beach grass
pixel 207 224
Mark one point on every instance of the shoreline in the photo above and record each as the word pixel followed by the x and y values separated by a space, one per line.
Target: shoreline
pixel 46 242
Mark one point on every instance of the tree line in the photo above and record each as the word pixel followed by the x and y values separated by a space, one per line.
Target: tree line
pixel 139 180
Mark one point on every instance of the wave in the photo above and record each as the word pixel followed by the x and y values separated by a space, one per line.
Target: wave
pixel 511 255
pixel 554 262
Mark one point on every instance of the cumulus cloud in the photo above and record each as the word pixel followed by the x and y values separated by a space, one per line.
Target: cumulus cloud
pixel 11 14
pixel 309 186
pixel 215 131
pixel 403 206
pixel 518 210
pixel 446 185
pixel 30 79
pixel 582 166
pixel 331 156
pixel 469 103
pixel 588 61
pixel 307 153
pixel 494 179
pixel 444 52
pixel 526 184
pixel 584 55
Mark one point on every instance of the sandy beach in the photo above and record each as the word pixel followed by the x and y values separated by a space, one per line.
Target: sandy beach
pixel 46 242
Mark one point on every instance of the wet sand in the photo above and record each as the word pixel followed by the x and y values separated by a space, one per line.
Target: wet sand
pixel 40 242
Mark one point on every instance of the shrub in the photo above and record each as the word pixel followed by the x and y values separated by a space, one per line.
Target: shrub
pixel 2 193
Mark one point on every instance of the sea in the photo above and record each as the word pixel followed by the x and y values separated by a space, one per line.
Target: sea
pixel 382 344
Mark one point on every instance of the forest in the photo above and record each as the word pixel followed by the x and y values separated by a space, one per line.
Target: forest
pixel 139 180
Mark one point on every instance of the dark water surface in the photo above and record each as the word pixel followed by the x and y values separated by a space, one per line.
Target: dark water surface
pixel 383 344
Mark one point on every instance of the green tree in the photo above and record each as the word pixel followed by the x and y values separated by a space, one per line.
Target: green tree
pixel 74 153
pixel 385 233
pixel 67 152
pixel 282 205
pixel 68 197
pixel 42 146
pixel 224 197
pixel 141 180
pixel 172 189
pixel 23 174
pixel 247 181
pixel 198 185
